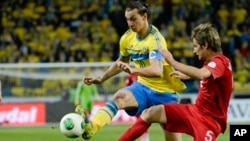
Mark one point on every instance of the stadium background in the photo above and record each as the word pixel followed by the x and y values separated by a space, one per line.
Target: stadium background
pixel 46 46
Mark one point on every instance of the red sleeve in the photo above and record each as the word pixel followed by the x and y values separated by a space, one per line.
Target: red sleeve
pixel 217 67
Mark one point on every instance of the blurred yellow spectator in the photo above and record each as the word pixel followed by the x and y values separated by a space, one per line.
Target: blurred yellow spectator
pixel 223 13
pixel 239 14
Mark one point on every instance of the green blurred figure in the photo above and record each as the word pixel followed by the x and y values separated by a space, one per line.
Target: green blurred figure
pixel 85 95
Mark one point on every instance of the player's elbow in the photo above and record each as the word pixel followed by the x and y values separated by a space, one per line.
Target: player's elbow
pixel 200 76
pixel 203 74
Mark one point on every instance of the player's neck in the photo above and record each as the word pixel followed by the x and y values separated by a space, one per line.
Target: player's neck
pixel 143 33
pixel 211 54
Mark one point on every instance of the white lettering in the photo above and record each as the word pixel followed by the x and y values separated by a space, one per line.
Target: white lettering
pixel 209 135
pixel 239 132
pixel 15 115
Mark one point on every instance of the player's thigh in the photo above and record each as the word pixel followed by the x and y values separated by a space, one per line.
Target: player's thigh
pixel 131 98
pixel 125 99
pixel 172 136
pixel 208 129
pixel 154 114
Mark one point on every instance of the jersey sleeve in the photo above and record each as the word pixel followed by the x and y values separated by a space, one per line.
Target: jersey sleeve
pixel 216 67
pixel 123 45
pixel 157 42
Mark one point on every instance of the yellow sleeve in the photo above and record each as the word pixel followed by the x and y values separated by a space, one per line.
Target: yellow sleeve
pixel 157 40
pixel 124 42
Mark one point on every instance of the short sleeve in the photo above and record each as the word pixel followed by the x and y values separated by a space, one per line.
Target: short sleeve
pixel 216 67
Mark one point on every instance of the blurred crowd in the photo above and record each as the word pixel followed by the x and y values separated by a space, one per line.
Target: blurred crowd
pixel 89 30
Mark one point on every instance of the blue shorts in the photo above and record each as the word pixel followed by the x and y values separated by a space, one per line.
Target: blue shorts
pixel 147 97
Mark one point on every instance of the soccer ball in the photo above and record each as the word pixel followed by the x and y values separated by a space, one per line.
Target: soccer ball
pixel 72 125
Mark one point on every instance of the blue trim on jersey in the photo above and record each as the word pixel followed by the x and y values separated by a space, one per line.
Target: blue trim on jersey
pixel 139 56
pixel 147 97
pixel 155 54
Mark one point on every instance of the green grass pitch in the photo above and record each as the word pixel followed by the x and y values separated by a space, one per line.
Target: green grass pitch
pixel 108 133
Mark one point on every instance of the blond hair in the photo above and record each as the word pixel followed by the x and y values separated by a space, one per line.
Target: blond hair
pixel 206 33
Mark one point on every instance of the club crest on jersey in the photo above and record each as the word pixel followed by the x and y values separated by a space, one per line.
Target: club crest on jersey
pixel 212 64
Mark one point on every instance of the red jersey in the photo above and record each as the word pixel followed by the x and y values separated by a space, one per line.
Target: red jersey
pixel 215 91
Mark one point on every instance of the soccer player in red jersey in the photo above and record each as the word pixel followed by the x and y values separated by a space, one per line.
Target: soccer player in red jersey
pixel 207 118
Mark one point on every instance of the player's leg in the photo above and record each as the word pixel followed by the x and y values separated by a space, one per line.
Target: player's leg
pixel 123 99
pixel 145 136
pixel 154 114
pixel 104 115
pixel 163 98
pixel 157 98
pixel 172 136
pixel 205 128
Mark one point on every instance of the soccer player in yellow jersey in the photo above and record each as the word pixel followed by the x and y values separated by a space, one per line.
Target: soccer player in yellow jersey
pixel 154 85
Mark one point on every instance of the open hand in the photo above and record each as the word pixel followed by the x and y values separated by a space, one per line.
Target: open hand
pixel 180 75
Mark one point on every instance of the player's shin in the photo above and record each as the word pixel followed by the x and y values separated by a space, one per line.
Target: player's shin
pixel 104 115
pixel 135 131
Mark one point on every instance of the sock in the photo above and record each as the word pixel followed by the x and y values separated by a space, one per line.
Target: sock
pixel 135 131
pixel 104 115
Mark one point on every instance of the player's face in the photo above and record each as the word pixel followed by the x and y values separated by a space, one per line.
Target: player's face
pixel 198 50
pixel 135 20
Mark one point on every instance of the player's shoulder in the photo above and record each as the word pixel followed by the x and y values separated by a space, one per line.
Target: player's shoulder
pixel 220 57
pixel 155 32
pixel 219 61
pixel 129 33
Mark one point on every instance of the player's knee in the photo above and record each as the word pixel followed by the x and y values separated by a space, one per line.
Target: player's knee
pixel 148 114
pixel 152 114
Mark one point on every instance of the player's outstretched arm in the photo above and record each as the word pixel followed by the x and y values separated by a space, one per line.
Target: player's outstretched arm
pixel 111 71
pixel 190 71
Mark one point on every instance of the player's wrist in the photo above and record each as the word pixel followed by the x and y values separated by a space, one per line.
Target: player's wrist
pixel 100 79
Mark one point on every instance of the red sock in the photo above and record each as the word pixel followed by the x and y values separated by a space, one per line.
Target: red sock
pixel 135 131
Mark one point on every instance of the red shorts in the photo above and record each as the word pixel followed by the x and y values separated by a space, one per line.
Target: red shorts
pixel 185 118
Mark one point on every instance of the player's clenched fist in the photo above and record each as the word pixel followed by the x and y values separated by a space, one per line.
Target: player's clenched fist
pixel 124 67
pixel 91 80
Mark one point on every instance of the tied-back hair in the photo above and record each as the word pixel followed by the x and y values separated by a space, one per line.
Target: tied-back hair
pixel 206 33
pixel 140 5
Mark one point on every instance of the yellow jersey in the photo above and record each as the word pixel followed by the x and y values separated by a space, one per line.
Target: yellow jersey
pixel 141 51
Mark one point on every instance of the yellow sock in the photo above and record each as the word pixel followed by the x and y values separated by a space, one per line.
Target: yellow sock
pixel 102 118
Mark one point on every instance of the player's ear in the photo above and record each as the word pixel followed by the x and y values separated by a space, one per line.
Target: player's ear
pixel 145 16
pixel 206 45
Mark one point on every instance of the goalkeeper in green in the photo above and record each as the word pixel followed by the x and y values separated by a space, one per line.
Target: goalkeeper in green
pixel 85 94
